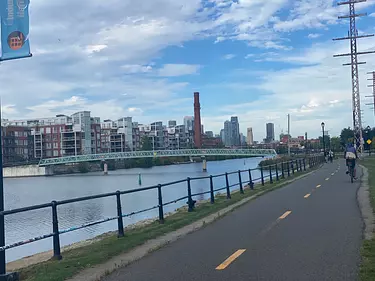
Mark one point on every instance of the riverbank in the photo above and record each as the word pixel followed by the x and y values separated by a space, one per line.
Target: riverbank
pixel 109 246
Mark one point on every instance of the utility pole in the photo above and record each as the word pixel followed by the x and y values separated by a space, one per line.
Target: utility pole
pixel 352 36
pixel 373 90
pixel 289 134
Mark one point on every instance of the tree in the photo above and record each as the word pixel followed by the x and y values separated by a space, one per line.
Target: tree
pixel 347 136
pixel 336 144
pixel 146 144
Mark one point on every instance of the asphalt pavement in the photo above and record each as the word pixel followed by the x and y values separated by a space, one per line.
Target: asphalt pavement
pixel 308 230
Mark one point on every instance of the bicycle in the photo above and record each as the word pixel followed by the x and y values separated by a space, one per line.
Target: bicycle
pixel 351 172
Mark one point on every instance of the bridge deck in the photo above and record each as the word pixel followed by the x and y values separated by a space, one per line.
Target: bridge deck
pixel 156 153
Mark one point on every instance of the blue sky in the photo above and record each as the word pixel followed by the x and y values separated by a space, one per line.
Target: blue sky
pixel 255 59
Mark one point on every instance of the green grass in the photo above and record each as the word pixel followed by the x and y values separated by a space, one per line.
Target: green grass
pixel 75 260
pixel 367 271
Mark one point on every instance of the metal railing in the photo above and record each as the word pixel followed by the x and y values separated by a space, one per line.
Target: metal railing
pixel 275 172
pixel 157 153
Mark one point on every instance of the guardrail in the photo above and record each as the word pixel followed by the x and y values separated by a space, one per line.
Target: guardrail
pixel 276 172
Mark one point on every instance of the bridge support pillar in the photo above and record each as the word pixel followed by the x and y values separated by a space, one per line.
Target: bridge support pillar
pixel 105 168
pixel 204 164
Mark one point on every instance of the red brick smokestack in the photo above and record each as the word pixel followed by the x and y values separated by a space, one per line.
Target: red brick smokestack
pixel 197 121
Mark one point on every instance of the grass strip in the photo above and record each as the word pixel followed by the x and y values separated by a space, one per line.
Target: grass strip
pixel 78 259
pixel 367 271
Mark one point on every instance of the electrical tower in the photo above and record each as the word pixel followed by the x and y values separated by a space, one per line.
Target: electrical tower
pixel 356 99
pixel 373 90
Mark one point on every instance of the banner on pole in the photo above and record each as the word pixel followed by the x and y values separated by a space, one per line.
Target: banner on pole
pixel 14 29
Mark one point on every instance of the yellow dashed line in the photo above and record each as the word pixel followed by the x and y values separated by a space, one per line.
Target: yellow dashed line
pixel 287 213
pixel 307 195
pixel 318 186
pixel 229 260
pixel 332 174
pixel 327 179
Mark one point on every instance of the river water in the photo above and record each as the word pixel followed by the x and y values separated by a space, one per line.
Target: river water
pixel 22 192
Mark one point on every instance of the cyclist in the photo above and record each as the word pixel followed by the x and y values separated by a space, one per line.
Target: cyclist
pixel 330 156
pixel 351 156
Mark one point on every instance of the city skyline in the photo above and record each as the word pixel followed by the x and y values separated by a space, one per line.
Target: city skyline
pixel 256 60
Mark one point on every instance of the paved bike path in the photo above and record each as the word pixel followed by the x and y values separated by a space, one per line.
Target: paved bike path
pixel 318 237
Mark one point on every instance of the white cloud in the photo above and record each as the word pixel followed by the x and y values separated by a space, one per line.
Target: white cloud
pixel 178 69
pixel 249 56
pixel 136 68
pixel 314 35
pixel 229 56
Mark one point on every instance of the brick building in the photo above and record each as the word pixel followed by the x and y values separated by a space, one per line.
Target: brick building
pixel 17 144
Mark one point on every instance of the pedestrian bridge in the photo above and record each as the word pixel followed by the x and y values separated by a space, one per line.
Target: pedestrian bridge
pixel 156 153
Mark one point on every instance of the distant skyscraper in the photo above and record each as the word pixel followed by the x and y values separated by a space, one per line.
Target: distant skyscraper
pixel 172 123
pixel 188 123
pixel 270 130
pixel 222 135
pixel 227 133
pixel 235 131
pixel 209 134
pixel 250 136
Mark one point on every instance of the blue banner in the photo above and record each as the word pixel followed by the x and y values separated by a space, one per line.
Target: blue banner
pixel 14 29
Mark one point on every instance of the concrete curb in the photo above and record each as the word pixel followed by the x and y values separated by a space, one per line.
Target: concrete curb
pixel 363 197
pixel 99 271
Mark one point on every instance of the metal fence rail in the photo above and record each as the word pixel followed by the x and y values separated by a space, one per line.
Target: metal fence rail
pixel 276 172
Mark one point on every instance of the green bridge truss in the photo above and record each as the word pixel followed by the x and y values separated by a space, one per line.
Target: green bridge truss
pixel 156 153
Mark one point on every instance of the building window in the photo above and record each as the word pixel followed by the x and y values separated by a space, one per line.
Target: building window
pixel 48 145
pixel 48 130
pixel 55 129
pixel 55 153
pixel 55 145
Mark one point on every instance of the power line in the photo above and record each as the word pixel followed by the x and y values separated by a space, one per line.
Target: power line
pixel 373 90
pixel 352 36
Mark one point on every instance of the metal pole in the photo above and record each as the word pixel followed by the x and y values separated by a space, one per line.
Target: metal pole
pixel 289 134
pixel 2 224
pixel 324 144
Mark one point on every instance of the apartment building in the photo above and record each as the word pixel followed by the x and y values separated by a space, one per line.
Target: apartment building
pixel 62 135
pixel 117 136
pixel 17 144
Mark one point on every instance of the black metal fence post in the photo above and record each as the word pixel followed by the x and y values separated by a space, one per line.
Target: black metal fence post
pixel 292 166
pixel 212 190
pixel 300 165
pixel 288 163
pixel 240 181
pixel 120 223
pixel 277 173
pixel 270 168
pixel 251 184
pixel 304 164
pixel 190 202
pixel 261 175
pixel 56 235
pixel 297 165
pixel 160 203
pixel 282 170
pixel 227 183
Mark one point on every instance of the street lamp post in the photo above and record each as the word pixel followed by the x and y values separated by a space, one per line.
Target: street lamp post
pixel 368 129
pixel 324 144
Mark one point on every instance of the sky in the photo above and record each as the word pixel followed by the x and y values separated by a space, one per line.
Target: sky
pixel 255 59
